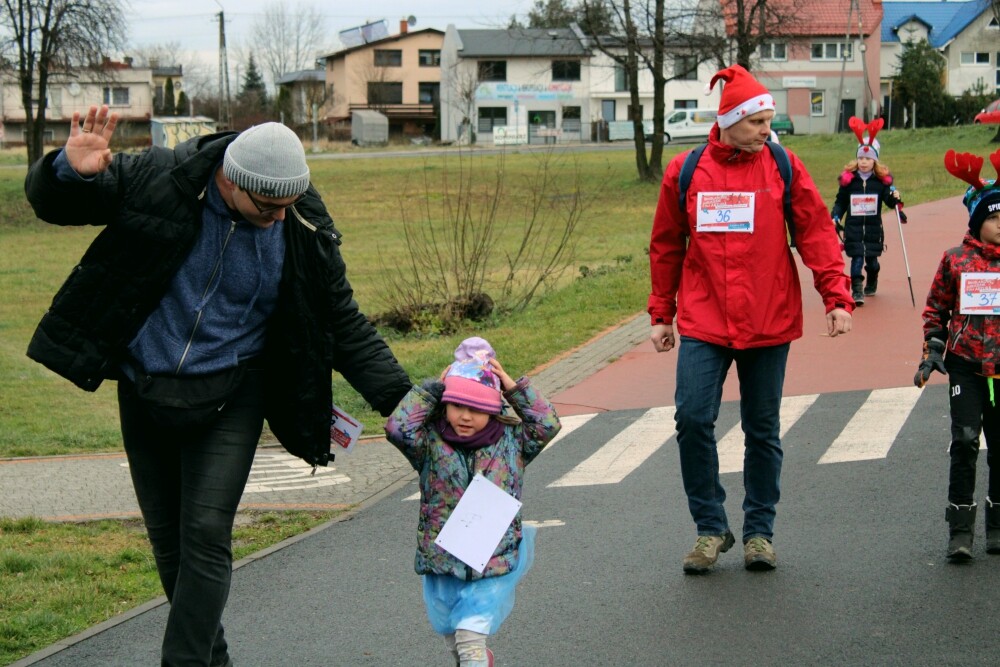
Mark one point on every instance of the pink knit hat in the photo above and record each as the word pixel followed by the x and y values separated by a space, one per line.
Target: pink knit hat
pixel 470 380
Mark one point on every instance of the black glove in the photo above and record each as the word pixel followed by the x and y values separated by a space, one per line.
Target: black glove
pixel 902 216
pixel 433 387
pixel 933 360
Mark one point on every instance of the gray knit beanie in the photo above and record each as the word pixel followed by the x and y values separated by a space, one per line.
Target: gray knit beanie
pixel 268 160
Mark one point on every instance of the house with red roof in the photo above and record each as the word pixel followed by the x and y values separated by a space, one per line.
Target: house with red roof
pixel 822 65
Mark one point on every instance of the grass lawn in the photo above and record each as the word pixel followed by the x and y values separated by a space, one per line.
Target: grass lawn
pixel 56 580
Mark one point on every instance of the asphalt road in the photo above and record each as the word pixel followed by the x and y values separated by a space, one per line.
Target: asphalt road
pixel 861 577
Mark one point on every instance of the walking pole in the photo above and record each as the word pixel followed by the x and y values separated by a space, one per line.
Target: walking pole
pixel 902 242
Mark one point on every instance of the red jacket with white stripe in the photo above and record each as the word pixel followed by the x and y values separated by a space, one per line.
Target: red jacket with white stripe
pixel 740 289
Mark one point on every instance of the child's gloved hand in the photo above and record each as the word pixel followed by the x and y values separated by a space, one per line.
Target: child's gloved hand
pixel 433 387
pixel 933 360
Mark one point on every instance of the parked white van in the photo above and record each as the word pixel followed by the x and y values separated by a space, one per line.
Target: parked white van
pixel 688 124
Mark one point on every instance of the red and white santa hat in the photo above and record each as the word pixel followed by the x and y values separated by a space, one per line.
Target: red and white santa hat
pixel 742 96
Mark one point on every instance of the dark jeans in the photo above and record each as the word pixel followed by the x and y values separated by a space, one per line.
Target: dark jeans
pixel 971 412
pixel 701 372
pixel 870 264
pixel 188 484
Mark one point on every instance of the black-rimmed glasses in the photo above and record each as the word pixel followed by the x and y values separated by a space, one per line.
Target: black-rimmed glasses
pixel 267 210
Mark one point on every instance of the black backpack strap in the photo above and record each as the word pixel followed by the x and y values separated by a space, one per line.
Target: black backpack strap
pixel 687 173
pixel 785 169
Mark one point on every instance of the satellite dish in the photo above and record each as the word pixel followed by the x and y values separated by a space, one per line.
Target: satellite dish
pixel 411 20
pixel 73 89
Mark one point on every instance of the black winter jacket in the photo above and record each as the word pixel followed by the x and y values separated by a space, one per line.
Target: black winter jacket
pixel 864 235
pixel 150 204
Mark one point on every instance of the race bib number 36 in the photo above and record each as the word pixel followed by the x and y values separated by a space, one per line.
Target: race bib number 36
pixel 725 211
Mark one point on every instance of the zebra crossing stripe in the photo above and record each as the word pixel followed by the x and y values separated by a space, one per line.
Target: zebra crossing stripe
pixel 569 424
pixel 731 446
pixel 625 452
pixel 874 427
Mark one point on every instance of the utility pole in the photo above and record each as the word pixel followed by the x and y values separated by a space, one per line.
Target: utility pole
pixel 865 99
pixel 225 112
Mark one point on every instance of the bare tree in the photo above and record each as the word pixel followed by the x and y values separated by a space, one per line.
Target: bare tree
pixel 645 35
pixel 750 23
pixel 458 265
pixel 43 37
pixel 464 85
pixel 289 40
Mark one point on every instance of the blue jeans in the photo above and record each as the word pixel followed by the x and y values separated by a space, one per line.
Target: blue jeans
pixel 701 372
pixel 870 265
pixel 189 484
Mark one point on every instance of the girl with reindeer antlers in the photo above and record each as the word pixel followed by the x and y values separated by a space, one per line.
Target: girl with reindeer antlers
pixel 962 316
pixel 865 186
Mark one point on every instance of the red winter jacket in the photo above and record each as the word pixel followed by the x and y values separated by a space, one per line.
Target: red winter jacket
pixel 975 338
pixel 741 289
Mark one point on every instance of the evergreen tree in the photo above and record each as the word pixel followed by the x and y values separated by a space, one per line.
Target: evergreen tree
pixel 169 108
pixel 254 92
pixel 183 104
pixel 921 81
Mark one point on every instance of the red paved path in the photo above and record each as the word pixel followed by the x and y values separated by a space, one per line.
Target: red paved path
pixel 881 351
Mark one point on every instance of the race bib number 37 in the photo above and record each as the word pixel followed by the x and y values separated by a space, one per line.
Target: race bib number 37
pixel 725 211
pixel 980 294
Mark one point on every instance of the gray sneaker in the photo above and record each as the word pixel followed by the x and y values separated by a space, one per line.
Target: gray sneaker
pixel 758 554
pixel 706 551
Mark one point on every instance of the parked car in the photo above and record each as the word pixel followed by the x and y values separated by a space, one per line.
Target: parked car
pixel 782 124
pixel 991 114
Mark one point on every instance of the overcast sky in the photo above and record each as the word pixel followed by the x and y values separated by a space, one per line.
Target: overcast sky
pixel 194 23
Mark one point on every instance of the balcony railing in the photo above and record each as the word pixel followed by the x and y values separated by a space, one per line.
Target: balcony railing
pixel 400 111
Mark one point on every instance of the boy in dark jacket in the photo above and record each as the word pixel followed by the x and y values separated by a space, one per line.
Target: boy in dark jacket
pixel 962 339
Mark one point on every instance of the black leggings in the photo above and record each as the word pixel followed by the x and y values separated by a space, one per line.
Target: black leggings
pixel 971 413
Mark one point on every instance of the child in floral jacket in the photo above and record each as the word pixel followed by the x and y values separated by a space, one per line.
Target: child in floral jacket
pixel 962 339
pixel 450 431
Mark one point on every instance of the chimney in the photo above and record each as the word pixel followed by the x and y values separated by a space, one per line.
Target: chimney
pixel 403 26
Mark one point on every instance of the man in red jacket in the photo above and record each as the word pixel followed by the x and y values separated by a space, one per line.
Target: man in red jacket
pixel 723 268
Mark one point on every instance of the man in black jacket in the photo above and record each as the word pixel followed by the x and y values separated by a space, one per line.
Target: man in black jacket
pixel 216 296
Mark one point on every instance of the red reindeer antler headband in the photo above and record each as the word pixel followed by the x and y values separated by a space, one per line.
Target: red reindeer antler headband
pixel 859 127
pixel 966 166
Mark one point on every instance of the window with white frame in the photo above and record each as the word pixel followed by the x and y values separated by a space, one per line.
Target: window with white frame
pixel 429 58
pixel 117 97
pixel 686 68
pixel 832 51
pixel 571 117
pixel 621 79
pixel 975 57
pixel 565 70
pixel 429 92
pixel 388 58
pixel 773 51
pixel 385 92
pixel 994 24
pixel 817 103
pixel 492 70
pixel 490 117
